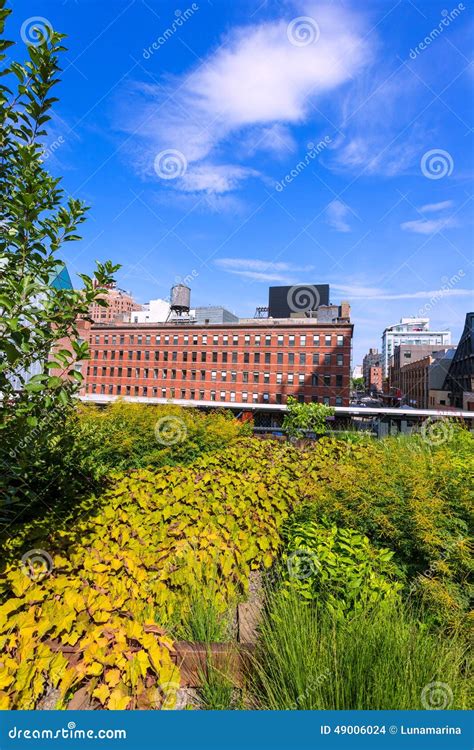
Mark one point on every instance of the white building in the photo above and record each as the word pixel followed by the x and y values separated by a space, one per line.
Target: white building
pixel 154 311
pixel 410 331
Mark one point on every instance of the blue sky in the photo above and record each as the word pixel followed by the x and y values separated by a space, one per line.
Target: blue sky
pixel 183 126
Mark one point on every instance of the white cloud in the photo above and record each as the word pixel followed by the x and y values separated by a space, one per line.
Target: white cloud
pixel 337 214
pixel 429 226
pixel 255 264
pixel 434 207
pixel 372 293
pixel 254 86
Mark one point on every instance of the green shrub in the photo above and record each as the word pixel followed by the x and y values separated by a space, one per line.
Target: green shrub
pixel 337 567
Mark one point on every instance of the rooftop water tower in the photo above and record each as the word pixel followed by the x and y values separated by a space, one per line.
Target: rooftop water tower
pixel 180 301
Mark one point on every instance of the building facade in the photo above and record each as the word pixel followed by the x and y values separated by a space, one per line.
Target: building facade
pixel 460 379
pixel 257 361
pixel 421 378
pixel 120 305
pixel 375 379
pixel 415 331
pixel 371 359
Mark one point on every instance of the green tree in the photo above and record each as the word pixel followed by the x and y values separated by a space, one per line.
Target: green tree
pixel 35 221
pixel 302 418
pixel 357 384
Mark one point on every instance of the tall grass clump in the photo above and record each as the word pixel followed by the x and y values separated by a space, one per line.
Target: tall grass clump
pixel 383 658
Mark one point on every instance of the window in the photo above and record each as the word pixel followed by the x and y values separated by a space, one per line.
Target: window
pixel 129 372
pixel 119 390
pixel 326 400
pixel 167 339
pixel 245 377
pixel 340 340
pixel 194 356
pixel 256 358
pixel 183 374
pixel 225 340
pixel 145 372
pixel 302 340
pixel 204 338
pixel 97 339
pixel 268 357
pixel 223 375
pixel 175 340
pixel 247 339
pixel 315 359
pixel 213 395
pixel 255 377
pixel 233 376
pixel 339 359
pixel 222 395
pixel 268 340
pixel 147 339
pixel 139 354
pixel 224 356
pixel 185 356
pixel 214 375
pixel 157 341
pixel 257 339
pixel 246 358
pixel 193 374
pixel 195 340
pixel 163 393
pixel 300 398
pixel 119 372
pixel 291 359
pixel 290 378
pixel 234 358
pixel 302 359
pixel 201 395
pixel 154 392
pixel 265 397
pixel 203 357
pixel 255 398
pixel 145 390
pixel 157 355
pixel 279 358
pixel 279 378
pixel 215 339
pixel 327 380
pixel 192 395
pixel 173 374
pixel 232 395
pixel 327 359
pixel 165 356
pixel 122 339
pixel 266 377
pixel 203 374
pixel 245 396
pixel 327 339
pixel 155 374
pixel 165 374
pixel 147 354
pixel 183 393
pixel 291 340
pixel 338 381
pixel 94 370
pixel 278 398
pixel 131 338
pixel 301 378
pixel 106 339
pixel 214 356
pixel 338 401
pixel 112 354
pixel 121 354
pixel 314 379
pixel 186 339
pixel 174 356
pixel 280 340
pixel 235 340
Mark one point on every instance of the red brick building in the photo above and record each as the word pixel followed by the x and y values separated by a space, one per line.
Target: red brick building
pixel 375 378
pixel 257 361
pixel 120 305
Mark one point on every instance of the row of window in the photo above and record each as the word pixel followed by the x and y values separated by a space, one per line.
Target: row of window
pixel 232 396
pixel 205 339
pixel 222 375
pixel 256 357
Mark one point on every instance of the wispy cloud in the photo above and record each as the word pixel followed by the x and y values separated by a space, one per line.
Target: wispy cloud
pixel 429 226
pixel 262 270
pixel 337 214
pixel 373 293
pixel 434 207
pixel 247 93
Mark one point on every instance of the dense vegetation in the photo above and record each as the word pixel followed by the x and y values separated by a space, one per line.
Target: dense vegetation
pixel 165 552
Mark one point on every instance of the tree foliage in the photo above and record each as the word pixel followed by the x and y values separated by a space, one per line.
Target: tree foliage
pixel 303 418
pixel 36 220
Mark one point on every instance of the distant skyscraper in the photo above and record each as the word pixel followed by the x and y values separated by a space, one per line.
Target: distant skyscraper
pixel 410 331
